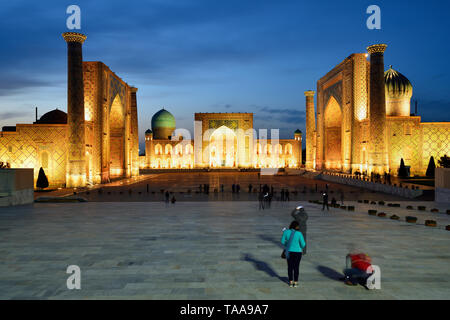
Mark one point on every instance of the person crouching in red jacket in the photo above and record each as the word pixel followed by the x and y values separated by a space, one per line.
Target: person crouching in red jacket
pixel 358 269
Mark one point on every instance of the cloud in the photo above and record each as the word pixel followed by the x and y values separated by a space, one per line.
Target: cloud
pixel 13 84
pixel 12 114
pixel 284 115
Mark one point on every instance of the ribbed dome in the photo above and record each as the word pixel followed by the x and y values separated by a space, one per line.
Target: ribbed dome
pixel 298 131
pixel 163 119
pixel 148 131
pixel 53 117
pixel 397 85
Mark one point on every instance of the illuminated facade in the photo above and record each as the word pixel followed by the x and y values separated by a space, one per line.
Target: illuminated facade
pixel 363 121
pixel 96 140
pixel 221 140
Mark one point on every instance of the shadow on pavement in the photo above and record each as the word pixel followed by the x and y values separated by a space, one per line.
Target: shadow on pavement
pixel 263 266
pixel 330 273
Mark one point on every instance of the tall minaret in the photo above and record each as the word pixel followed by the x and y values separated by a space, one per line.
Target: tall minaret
pixel 310 129
pixel 135 134
pixel 377 110
pixel 76 160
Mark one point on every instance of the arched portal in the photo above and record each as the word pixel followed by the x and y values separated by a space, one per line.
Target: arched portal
pixel 333 135
pixel 223 146
pixel 117 139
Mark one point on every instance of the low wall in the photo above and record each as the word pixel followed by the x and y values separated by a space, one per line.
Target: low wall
pixel 442 185
pixel 16 187
pixel 379 187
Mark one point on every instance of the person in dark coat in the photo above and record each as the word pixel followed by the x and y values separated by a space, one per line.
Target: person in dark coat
pixel 299 214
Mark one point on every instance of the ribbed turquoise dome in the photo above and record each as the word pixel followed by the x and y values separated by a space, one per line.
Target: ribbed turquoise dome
pixel 163 119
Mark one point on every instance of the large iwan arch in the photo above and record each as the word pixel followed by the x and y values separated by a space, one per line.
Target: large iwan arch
pixel 333 134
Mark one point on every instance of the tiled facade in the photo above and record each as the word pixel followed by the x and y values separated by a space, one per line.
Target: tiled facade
pixel 109 131
pixel 225 140
pixel 342 133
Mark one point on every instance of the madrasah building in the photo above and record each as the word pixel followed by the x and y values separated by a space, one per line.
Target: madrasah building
pixel 94 142
pixel 362 123
pixel 221 141
pixel 97 139
pixel 363 120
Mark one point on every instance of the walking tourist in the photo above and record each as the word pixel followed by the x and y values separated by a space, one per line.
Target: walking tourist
pixel 294 243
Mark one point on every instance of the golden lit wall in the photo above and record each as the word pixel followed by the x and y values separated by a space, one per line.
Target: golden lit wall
pixel 35 146
pixel 168 154
pixel 404 140
pixel 110 142
pixel 45 145
pixel 248 152
pixel 436 141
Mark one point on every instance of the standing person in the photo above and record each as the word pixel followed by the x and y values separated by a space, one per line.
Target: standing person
pixel 167 196
pixel 300 215
pixel 238 188
pixel 294 243
pixel 342 197
pixel 233 188
pixel 261 201
pixel 250 188
pixel 287 195
pixel 221 188
pixel 174 200
pixel 325 201
pixel 282 194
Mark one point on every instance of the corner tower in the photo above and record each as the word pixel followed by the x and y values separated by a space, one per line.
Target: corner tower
pixel 76 162
pixel 310 129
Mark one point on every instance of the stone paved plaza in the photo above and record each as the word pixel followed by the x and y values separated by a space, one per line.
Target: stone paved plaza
pixel 209 250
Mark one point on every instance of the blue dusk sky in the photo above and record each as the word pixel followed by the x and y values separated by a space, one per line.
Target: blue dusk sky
pixel 219 56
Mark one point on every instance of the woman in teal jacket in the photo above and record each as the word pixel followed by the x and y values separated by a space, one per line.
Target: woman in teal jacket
pixel 294 243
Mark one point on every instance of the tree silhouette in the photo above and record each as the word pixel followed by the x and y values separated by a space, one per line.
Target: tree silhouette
pixel 444 162
pixel 402 173
pixel 42 181
pixel 431 167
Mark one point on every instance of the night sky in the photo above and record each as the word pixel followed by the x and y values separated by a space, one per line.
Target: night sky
pixel 219 56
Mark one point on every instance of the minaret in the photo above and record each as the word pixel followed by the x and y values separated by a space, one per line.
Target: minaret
pixel 135 134
pixel 377 110
pixel 149 149
pixel 76 161
pixel 310 129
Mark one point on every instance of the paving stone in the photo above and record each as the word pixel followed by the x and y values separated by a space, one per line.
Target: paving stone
pixel 211 250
